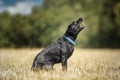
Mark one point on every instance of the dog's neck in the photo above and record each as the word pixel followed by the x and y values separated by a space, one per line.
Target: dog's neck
pixel 69 39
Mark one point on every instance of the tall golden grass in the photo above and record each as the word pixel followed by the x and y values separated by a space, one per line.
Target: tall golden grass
pixel 84 64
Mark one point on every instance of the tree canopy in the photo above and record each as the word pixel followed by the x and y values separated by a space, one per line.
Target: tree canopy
pixel 49 21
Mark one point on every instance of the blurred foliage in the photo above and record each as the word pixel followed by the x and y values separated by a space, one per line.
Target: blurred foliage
pixel 49 21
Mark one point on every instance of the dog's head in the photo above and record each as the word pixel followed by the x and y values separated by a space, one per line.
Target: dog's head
pixel 74 28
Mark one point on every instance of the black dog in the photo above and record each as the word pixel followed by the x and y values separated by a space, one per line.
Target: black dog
pixel 59 51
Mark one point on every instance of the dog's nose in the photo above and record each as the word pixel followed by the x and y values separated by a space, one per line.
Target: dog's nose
pixel 79 21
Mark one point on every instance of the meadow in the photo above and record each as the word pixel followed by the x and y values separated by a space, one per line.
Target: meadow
pixel 84 64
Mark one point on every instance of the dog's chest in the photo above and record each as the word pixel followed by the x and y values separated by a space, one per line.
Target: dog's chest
pixel 67 49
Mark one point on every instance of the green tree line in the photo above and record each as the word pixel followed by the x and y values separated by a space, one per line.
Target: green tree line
pixel 49 21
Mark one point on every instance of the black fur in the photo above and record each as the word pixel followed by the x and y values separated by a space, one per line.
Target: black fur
pixel 59 51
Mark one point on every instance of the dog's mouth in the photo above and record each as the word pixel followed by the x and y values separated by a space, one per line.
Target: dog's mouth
pixel 79 22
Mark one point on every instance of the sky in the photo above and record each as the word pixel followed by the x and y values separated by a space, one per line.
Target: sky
pixel 18 6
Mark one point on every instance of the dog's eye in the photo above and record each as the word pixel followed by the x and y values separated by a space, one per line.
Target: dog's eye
pixel 73 22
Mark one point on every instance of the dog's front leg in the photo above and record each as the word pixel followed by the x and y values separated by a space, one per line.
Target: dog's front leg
pixel 64 63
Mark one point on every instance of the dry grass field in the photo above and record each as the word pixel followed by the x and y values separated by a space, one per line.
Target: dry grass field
pixel 85 64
